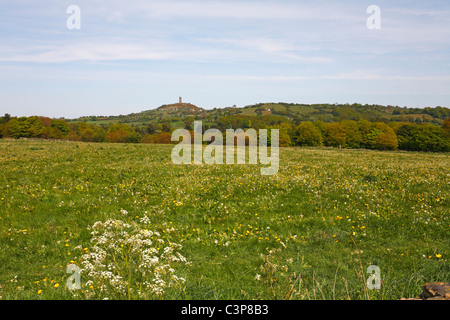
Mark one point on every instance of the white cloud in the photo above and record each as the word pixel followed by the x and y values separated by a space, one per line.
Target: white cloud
pixel 98 51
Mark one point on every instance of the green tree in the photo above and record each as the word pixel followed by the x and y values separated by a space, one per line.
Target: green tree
pixel 6 118
pixel 188 123
pixel 382 137
pixel 35 127
pixel 4 125
pixel 284 139
pixel 335 135
pixel 52 133
pixel 352 133
pixel 151 128
pixel 19 128
pixel 285 134
pixel 321 125
pixel 89 133
pixel 405 136
pixel 166 127
pixel 424 137
pixel 133 137
pixel 364 127
pixel 307 134
pixel 386 141
pixel 62 125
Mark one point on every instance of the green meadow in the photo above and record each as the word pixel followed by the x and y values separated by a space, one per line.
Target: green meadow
pixel 308 232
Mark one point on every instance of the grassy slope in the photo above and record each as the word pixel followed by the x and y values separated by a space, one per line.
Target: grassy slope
pixel 394 205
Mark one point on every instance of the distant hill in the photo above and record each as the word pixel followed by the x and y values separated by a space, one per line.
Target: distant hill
pixel 178 113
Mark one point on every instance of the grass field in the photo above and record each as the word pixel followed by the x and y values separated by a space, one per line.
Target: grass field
pixel 309 232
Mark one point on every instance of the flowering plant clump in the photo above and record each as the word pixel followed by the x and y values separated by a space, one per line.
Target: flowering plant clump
pixel 127 261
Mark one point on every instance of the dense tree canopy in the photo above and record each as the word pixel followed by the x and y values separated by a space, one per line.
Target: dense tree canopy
pixel 346 133
pixel 424 137
pixel 306 134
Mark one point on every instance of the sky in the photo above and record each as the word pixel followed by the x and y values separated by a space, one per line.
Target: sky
pixel 130 56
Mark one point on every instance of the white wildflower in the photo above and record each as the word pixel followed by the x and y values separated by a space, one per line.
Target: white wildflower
pixel 123 252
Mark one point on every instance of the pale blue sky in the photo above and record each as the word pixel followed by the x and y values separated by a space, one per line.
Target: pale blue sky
pixel 133 55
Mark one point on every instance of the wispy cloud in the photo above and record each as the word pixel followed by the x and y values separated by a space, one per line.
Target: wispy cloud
pixel 100 51
pixel 79 52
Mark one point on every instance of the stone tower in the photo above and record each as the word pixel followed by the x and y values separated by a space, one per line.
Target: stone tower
pixel 180 100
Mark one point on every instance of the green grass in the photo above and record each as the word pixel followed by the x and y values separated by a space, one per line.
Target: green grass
pixel 309 232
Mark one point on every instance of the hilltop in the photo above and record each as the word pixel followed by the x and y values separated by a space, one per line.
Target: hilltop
pixel 181 106
pixel 166 112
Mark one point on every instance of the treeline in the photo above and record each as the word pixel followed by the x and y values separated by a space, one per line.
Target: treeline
pixel 368 135
pixel 342 134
